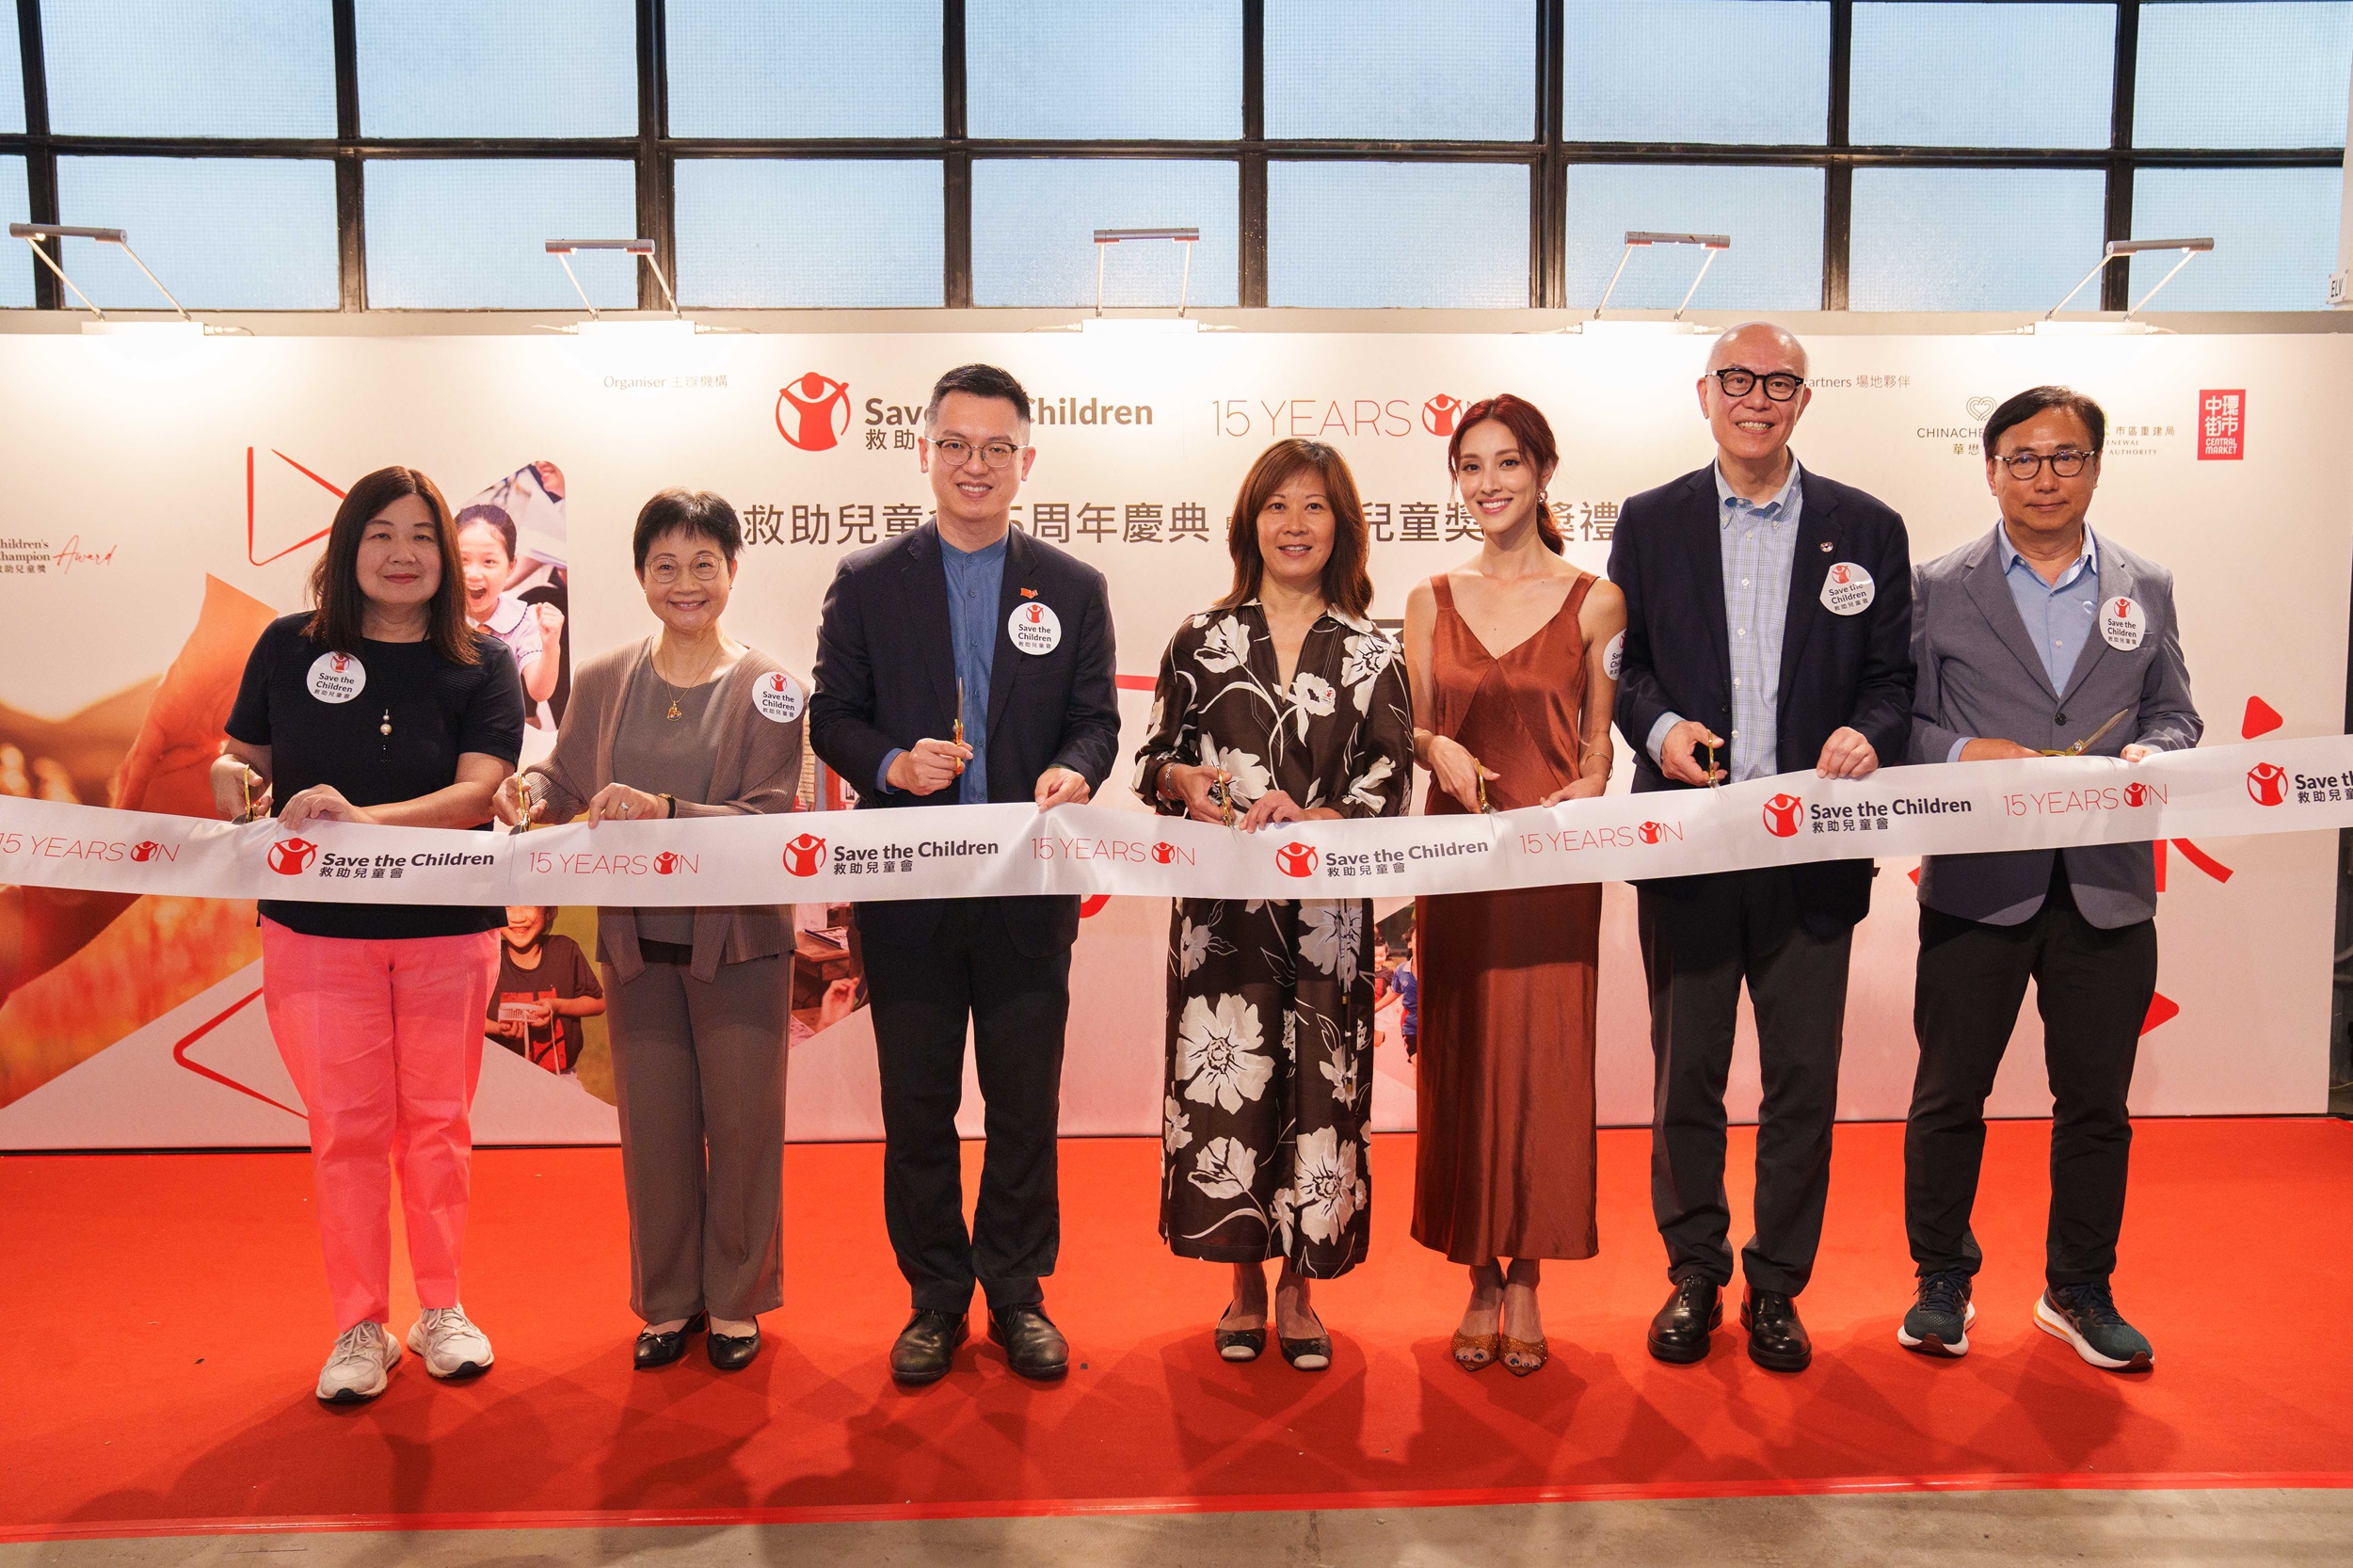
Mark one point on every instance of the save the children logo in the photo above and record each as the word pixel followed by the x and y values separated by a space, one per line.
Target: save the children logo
pixel 805 855
pixel 1296 860
pixel 1439 415
pixel 144 850
pixel 292 856
pixel 813 411
pixel 2139 795
pixel 2266 784
pixel 1780 816
pixel 665 863
pixel 1164 852
pixel 1651 832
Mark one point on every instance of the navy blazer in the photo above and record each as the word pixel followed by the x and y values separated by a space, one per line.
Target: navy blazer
pixel 886 678
pixel 1836 671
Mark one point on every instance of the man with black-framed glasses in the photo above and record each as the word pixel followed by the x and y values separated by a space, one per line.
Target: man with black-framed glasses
pixel 1768 614
pixel 968 662
pixel 2038 639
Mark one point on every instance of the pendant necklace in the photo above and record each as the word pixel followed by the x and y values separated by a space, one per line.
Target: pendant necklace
pixel 676 694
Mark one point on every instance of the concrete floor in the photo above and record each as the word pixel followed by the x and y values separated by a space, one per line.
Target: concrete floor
pixel 2011 1530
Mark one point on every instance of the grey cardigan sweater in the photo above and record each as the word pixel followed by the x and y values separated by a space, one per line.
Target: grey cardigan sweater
pixel 758 770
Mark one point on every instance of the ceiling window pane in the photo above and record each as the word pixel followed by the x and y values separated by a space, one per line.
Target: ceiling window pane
pixel 1034 222
pixel 1404 68
pixel 769 233
pixel 1343 235
pixel 1697 70
pixel 464 234
pixel 16 273
pixel 804 67
pixel 1773 216
pixel 221 233
pixel 519 67
pixel 1982 75
pixel 1972 239
pixel 1073 69
pixel 12 92
pixel 2274 232
pixel 166 68
pixel 2243 75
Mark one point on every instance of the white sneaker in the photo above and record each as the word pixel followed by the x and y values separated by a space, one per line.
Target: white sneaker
pixel 356 1369
pixel 450 1345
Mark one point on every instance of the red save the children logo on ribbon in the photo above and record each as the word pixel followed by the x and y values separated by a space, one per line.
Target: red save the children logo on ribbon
pixel 1296 860
pixel 805 855
pixel 2266 784
pixel 1780 816
pixel 292 856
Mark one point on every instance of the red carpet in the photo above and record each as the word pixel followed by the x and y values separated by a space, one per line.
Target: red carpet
pixel 165 1318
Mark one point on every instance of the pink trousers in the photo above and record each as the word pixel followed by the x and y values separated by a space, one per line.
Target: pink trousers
pixel 384 1041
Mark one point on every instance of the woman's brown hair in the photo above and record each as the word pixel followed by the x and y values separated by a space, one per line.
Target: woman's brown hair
pixel 1534 433
pixel 1347 583
pixel 342 611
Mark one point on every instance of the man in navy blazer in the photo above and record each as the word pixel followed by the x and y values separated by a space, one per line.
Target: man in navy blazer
pixel 969 662
pixel 2038 637
pixel 1767 631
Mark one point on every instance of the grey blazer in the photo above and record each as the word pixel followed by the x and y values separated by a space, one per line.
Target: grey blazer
pixel 1980 677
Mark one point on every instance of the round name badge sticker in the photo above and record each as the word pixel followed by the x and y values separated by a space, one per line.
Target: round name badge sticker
pixel 336 678
pixel 778 697
pixel 1034 627
pixel 1848 590
pixel 2122 623
pixel 1613 656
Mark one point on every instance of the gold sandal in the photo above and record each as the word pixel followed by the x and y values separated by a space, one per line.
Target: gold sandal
pixel 1476 1353
pixel 1532 1355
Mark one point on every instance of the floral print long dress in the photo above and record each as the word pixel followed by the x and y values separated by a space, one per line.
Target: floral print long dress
pixel 1270 1002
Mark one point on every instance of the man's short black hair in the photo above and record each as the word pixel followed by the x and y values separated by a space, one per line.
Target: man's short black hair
pixel 698 514
pixel 980 381
pixel 2036 400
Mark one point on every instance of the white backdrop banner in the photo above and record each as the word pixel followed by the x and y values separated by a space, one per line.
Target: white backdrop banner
pixel 164 501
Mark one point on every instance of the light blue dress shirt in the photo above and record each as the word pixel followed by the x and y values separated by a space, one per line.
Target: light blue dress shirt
pixel 2060 616
pixel 1759 541
pixel 976 579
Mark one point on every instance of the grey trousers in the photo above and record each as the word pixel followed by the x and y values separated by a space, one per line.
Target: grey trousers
pixel 699 1070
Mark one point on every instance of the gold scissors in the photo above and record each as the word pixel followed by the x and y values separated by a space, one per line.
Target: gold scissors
pixel 1223 792
pixel 1479 769
pixel 1713 782
pixel 959 710
pixel 2094 738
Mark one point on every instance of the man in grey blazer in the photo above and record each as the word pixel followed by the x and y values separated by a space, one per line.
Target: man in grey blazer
pixel 2029 641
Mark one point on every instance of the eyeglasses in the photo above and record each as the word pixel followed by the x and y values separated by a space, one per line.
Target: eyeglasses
pixel 706 568
pixel 956 453
pixel 2066 462
pixel 1780 386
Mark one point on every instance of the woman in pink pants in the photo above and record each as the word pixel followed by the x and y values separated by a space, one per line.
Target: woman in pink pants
pixel 380 706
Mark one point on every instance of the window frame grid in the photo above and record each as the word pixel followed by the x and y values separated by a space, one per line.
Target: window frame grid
pixel 1547 156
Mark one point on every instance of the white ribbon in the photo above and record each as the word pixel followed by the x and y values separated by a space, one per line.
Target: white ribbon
pixel 2286 786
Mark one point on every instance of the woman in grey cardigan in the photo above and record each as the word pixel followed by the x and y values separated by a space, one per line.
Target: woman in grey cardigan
pixel 689 722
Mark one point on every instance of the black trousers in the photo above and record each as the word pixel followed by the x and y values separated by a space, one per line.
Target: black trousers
pixel 1699 945
pixel 922 998
pixel 2092 988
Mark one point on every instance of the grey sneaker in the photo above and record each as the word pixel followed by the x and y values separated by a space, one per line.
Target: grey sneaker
pixel 2086 1317
pixel 357 1367
pixel 1938 1323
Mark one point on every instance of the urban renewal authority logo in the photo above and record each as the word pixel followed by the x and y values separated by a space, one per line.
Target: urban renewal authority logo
pixel 813 411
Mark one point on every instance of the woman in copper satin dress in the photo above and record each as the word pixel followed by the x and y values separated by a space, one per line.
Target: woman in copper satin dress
pixel 1511 659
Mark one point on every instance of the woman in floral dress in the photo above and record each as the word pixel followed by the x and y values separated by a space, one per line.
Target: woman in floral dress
pixel 1278 704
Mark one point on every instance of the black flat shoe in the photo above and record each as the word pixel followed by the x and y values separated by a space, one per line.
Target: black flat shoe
pixel 660 1350
pixel 1678 1335
pixel 1777 1341
pixel 1239 1344
pixel 1034 1346
pixel 927 1348
pixel 1309 1355
pixel 732 1352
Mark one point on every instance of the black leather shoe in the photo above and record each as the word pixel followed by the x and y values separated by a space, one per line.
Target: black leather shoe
pixel 660 1350
pixel 732 1352
pixel 1777 1341
pixel 1679 1333
pixel 1034 1346
pixel 927 1348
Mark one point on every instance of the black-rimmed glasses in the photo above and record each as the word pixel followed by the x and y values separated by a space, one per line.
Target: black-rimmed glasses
pixel 1779 386
pixel 2066 462
pixel 956 453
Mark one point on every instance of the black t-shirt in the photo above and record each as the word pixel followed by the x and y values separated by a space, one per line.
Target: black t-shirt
pixel 436 710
